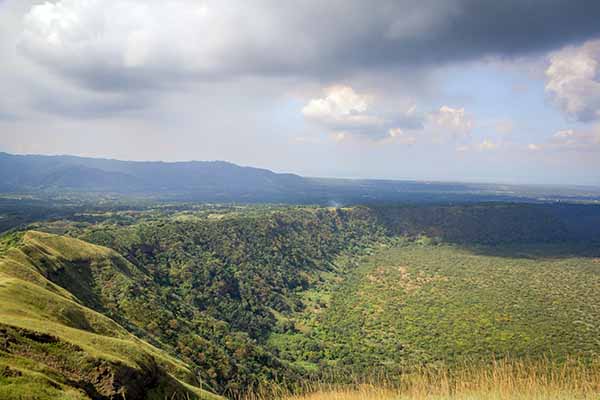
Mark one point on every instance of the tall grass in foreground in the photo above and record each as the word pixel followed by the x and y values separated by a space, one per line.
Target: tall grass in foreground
pixel 500 380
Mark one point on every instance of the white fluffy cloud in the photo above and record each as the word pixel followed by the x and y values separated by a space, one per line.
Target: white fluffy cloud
pixel 452 121
pixel 573 80
pixel 342 108
pixel 347 113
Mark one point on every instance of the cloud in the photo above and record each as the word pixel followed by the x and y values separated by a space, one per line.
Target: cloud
pixel 126 44
pixel 88 105
pixel 485 145
pixel 115 44
pixel 453 122
pixel 573 80
pixel 347 113
pixel 399 136
pixel 342 108
pixel 575 140
pixel 581 141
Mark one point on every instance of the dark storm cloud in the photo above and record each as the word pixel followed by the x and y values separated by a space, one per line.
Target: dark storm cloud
pixel 113 45
pixel 441 32
pixel 89 106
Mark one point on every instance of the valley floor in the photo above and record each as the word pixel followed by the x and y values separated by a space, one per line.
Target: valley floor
pixel 414 304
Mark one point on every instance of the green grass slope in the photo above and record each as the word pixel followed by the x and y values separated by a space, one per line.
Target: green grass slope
pixel 52 346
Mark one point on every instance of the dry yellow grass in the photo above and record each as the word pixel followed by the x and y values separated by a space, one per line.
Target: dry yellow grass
pixel 502 380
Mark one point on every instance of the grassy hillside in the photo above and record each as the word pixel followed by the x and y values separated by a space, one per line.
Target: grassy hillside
pixel 52 346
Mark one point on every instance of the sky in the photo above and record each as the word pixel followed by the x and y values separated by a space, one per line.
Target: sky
pixel 456 90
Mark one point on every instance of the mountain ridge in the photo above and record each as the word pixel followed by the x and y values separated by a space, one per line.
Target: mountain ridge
pixel 38 172
pixel 226 182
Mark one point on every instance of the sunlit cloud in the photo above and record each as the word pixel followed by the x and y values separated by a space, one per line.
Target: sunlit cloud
pixel 452 122
pixel 343 110
pixel 573 80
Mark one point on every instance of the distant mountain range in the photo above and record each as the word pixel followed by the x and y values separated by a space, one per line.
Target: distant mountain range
pixel 202 179
pixel 219 181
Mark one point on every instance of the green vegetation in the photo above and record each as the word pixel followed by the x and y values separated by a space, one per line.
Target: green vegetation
pixel 216 284
pixel 54 347
pixel 173 300
pixel 416 303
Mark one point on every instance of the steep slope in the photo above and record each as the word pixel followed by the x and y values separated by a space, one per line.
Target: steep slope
pixel 53 346
pixel 218 284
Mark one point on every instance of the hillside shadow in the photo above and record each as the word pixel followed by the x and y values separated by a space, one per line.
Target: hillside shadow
pixel 536 250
